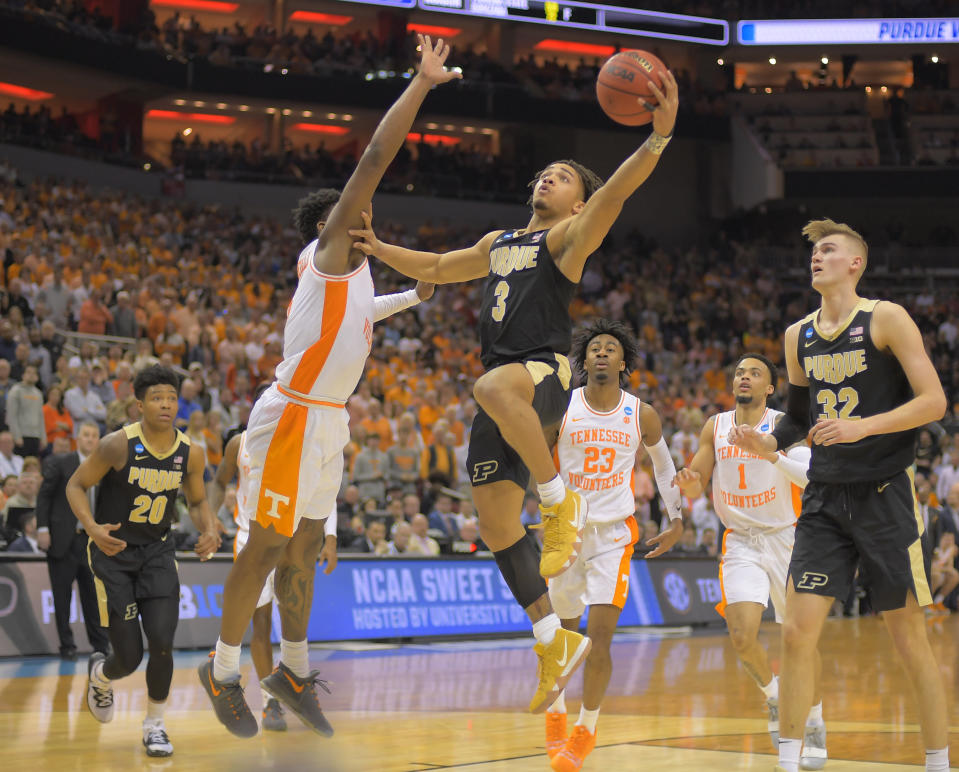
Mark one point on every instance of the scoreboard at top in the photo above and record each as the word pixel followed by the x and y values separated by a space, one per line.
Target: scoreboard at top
pixel 581 15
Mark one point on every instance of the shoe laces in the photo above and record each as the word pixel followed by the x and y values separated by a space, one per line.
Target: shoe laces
pixel 314 679
pixel 157 736
pixel 102 697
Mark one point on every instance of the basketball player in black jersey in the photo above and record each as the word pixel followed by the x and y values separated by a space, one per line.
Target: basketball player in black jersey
pixel 525 330
pixel 860 383
pixel 137 472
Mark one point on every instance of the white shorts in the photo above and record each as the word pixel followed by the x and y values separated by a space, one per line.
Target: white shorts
pixel 754 568
pixel 296 460
pixel 266 594
pixel 600 575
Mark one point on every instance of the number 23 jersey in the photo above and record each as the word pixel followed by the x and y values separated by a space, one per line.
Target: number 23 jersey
pixel 141 495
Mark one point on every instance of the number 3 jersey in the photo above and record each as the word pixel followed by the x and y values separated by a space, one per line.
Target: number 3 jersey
pixel 850 378
pixel 525 311
pixel 596 453
pixel 140 496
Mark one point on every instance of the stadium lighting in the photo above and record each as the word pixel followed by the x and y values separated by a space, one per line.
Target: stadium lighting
pixel 22 92
pixel 320 128
pixel 720 62
pixel 213 6
pixel 175 115
pixel 314 17
pixel 825 60
pixel 934 59
pixel 772 59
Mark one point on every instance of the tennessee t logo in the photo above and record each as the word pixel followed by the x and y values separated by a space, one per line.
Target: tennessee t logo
pixel 275 500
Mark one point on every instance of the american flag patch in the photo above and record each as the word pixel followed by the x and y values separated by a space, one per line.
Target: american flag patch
pixel 178 460
pixel 537 237
pixel 856 331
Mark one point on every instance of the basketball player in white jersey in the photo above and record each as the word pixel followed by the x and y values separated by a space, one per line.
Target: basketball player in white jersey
pixel 597 445
pixel 758 498
pixel 298 428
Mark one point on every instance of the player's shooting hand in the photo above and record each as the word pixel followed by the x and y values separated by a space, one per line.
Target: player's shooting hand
pixel 424 290
pixel 368 244
pixel 835 431
pixel 747 438
pixel 432 58
pixel 328 554
pixel 685 478
pixel 109 545
pixel 207 545
pixel 664 112
pixel 664 541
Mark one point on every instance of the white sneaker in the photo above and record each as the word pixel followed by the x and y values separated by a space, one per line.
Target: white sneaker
pixel 772 724
pixel 155 739
pixel 813 747
pixel 99 700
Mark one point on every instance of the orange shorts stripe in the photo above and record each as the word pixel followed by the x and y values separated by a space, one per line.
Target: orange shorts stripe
pixel 797 499
pixel 276 504
pixel 721 606
pixel 622 580
pixel 314 358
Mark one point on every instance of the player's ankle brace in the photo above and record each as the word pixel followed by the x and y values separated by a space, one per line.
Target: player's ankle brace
pixel 519 565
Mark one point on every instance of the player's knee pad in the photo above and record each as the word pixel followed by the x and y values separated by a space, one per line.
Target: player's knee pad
pixel 519 565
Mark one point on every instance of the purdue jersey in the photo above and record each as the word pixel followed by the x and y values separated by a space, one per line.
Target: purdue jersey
pixel 140 496
pixel 525 311
pixel 596 453
pixel 850 378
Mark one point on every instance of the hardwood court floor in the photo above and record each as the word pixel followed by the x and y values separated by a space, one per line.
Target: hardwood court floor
pixel 676 702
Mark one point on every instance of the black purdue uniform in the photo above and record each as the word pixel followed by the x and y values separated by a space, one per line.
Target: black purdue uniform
pixel 140 582
pixel 525 319
pixel 860 502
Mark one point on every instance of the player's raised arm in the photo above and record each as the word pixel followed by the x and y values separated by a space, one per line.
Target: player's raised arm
pixel 195 491
pixel 110 453
pixel 435 268
pixel 334 242
pixel 692 479
pixel 587 230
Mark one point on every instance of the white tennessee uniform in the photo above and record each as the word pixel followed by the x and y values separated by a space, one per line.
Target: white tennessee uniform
pixel 299 427
pixel 244 508
pixel 596 453
pixel 759 507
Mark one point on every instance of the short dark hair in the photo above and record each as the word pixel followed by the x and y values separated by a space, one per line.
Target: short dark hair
pixel 773 370
pixel 260 390
pixel 154 375
pixel 312 210
pixel 590 179
pixel 618 330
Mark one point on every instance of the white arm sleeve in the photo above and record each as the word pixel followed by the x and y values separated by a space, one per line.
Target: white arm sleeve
pixel 794 465
pixel 329 525
pixel 665 470
pixel 387 305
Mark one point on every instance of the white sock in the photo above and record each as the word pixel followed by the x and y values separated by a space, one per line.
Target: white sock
pixel 559 705
pixel 226 661
pixel 815 715
pixel 789 751
pixel 937 761
pixel 588 719
pixel 97 678
pixel 552 493
pixel 771 690
pixel 296 656
pixel 545 629
pixel 155 711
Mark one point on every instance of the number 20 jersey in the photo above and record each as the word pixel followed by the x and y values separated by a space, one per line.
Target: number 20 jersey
pixel 525 311
pixel 597 452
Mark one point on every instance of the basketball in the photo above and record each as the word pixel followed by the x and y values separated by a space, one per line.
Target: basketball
pixel 625 79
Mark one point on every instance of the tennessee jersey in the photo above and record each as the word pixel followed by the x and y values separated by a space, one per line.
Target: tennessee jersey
pixel 596 453
pixel 748 491
pixel 329 321
pixel 244 499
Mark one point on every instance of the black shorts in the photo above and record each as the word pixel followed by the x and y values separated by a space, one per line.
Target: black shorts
pixel 490 458
pixel 138 572
pixel 876 525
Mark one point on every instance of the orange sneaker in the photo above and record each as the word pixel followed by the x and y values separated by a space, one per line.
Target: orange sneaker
pixel 555 733
pixel 579 745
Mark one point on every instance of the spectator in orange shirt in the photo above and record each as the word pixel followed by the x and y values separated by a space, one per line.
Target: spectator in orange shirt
pixel 428 414
pixel 56 418
pixel 272 356
pixel 376 422
pixel 94 316
pixel 438 459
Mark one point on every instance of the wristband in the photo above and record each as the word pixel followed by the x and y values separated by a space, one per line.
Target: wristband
pixel 656 143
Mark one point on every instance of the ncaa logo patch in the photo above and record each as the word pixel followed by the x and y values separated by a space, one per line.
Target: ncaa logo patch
pixel 628 410
pixel 809 332
pixel 764 428
pixel 139 447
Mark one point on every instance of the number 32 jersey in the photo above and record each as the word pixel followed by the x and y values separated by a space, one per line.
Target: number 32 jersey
pixel 596 453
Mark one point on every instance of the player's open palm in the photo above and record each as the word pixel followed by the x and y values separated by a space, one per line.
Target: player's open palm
pixel 664 542
pixel 433 58
pixel 366 241
pixel 664 114
pixel 109 545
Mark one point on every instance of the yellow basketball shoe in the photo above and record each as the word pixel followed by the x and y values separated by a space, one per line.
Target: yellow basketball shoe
pixel 580 744
pixel 555 733
pixel 557 663
pixel 562 526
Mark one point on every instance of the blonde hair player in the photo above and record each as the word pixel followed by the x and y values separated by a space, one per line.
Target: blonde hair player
pixel 597 446
pixel 756 495
pixel 860 384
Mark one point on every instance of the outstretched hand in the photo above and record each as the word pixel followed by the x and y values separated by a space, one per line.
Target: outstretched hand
pixel 432 60
pixel 369 245
pixel 663 542
pixel 747 438
pixel 666 107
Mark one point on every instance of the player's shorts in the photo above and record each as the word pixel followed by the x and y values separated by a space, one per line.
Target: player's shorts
pixel 600 575
pixel 296 455
pixel 136 573
pixel 754 568
pixel 490 458
pixel 267 595
pixel 877 525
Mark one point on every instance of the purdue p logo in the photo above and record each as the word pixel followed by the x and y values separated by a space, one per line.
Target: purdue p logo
pixel 484 469
pixel 811 580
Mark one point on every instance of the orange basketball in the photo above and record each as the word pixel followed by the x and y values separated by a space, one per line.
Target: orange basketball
pixel 624 80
